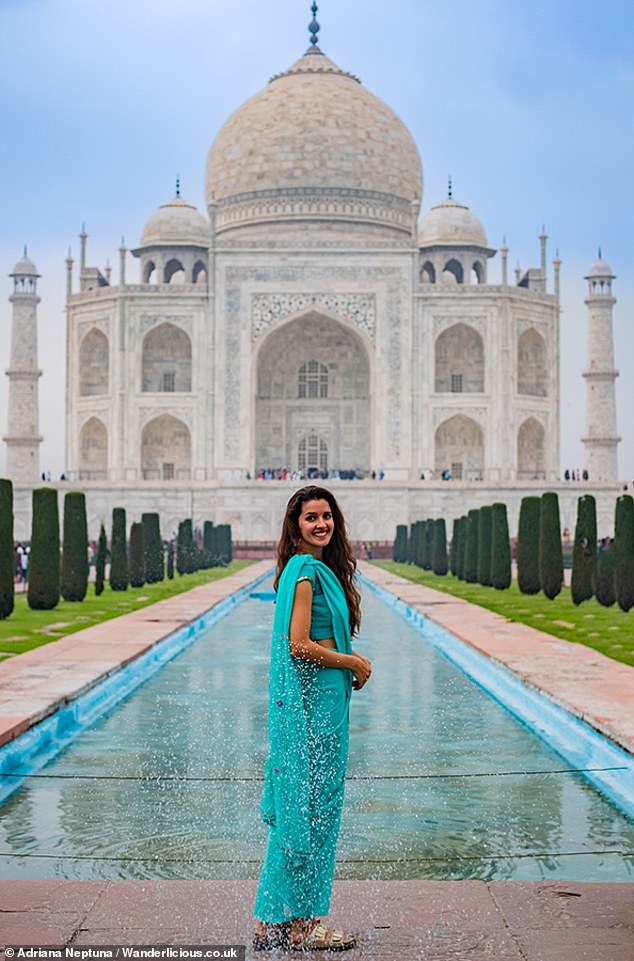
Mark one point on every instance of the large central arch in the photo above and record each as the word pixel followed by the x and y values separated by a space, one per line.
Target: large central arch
pixel 313 381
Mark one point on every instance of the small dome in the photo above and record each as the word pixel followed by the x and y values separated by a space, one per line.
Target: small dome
pixel 25 268
pixel 176 223
pixel 600 268
pixel 450 224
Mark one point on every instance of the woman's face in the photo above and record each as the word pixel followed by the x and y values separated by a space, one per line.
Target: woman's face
pixel 316 526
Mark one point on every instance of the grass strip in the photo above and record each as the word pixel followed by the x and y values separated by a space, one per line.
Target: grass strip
pixel 26 629
pixel 605 629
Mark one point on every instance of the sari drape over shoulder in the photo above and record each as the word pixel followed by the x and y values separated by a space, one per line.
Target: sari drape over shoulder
pixel 305 769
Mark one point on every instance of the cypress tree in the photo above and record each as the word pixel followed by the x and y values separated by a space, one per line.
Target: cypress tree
pixel 584 551
pixel 551 561
pixel 224 543
pixel 100 562
pixel 43 590
pixel 461 534
pixel 428 543
pixel 500 548
pixel 118 551
pixel 7 557
pixel 415 544
pixel 136 564
pixel 181 565
pixel 410 544
pixel 153 570
pixel 528 546
pixel 170 560
pixel 185 559
pixel 75 567
pixel 208 540
pixel 604 589
pixel 485 534
pixel 471 546
pixel 453 550
pixel 624 548
pixel 399 550
pixel 229 535
pixel 439 551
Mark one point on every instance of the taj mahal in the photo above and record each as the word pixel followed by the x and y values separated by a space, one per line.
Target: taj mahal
pixel 319 316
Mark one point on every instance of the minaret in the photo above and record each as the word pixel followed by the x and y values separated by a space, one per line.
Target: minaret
pixel 601 438
pixel 22 437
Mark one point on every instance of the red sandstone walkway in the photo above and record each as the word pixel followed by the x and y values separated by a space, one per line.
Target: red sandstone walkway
pixel 588 684
pixel 398 920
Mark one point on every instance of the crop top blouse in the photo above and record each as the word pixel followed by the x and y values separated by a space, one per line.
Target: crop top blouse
pixel 321 626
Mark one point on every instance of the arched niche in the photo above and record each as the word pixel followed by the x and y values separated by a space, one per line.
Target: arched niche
pixel 428 273
pixel 459 361
pixel 199 273
pixel 336 383
pixel 174 272
pixel 459 448
pixel 150 273
pixel 453 272
pixel 93 364
pixel 166 449
pixel 166 360
pixel 531 450
pixel 477 273
pixel 532 364
pixel 93 450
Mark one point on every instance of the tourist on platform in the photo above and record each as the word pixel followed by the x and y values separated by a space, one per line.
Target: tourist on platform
pixel 313 670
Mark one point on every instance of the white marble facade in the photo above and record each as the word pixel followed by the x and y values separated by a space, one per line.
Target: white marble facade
pixel 315 319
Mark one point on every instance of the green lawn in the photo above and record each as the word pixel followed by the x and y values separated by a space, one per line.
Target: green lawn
pixel 606 629
pixel 26 629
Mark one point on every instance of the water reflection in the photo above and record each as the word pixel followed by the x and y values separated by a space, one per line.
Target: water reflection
pixel 169 784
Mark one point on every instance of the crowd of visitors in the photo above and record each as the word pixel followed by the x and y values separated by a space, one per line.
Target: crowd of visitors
pixel 314 473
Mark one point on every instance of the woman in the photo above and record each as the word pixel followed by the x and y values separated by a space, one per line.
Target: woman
pixel 313 669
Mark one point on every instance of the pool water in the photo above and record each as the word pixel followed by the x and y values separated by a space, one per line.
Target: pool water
pixel 442 782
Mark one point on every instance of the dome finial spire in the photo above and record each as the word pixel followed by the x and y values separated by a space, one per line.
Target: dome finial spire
pixel 449 188
pixel 313 26
pixel 178 185
pixel 600 255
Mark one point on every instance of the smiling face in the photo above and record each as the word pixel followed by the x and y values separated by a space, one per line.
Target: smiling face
pixel 316 526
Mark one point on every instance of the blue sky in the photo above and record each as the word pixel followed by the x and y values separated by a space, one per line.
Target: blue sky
pixel 528 105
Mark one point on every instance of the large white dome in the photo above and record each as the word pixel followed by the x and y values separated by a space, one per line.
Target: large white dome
pixel 314 144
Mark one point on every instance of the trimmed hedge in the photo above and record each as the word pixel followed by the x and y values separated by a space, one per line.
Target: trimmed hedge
pixel 471 547
pixel 399 549
pixel 460 548
pixel 624 547
pixel 551 561
pixel 428 543
pixel 43 589
pixel 136 564
pixel 439 562
pixel 7 557
pixel 453 550
pixel 74 583
pixel 185 560
pixel 170 560
pixel 100 561
pixel 153 569
pixel 528 579
pixel 584 551
pixel 604 590
pixel 485 534
pixel 500 547
pixel 118 551
pixel 208 544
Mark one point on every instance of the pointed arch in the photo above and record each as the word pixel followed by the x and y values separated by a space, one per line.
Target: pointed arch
pixel 428 273
pixel 199 273
pixel 174 272
pixel 166 360
pixel 94 362
pixel 459 361
pixel 150 273
pixel 477 272
pixel 531 450
pixel 532 364
pixel 459 448
pixel 453 269
pixel 166 449
pixel 313 377
pixel 93 450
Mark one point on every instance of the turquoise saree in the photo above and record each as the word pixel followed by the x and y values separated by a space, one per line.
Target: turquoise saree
pixel 305 770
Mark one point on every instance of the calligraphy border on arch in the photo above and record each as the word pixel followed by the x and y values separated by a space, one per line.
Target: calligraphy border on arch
pixel 357 309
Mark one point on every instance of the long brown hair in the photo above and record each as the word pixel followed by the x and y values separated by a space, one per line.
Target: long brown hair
pixel 337 554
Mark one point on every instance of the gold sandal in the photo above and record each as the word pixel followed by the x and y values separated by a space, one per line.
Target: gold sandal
pixel 321 938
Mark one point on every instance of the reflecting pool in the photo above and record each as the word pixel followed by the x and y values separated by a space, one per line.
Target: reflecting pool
pixel 442 783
